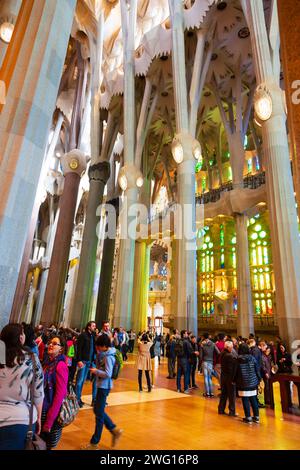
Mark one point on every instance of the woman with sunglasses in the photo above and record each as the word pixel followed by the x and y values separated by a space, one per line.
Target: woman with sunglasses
pixel 18 373
pixel 55 388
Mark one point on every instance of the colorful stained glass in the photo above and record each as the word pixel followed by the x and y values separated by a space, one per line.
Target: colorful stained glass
pixel 270 306
pixel 261 282
pixel 268 281
pixel 222 237
pixel 266 256
pixel 253 256
pixel 259 255
pixel 222 260
pixel 233 260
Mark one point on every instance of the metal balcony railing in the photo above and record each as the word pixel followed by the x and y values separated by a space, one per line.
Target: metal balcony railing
pixel 231 320
pixel 250 182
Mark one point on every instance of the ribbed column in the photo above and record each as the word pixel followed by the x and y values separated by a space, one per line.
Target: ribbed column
pixel 186 268
pixel 107 263
pixel 98 175
pixel 73 163
pixel 140 286
pixel 280 192
pixel 123 301
pixel 245 323
pixel 186 312
pixel 32 79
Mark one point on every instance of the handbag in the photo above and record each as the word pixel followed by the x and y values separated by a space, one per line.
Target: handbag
pixel 69 408
pixel 33 441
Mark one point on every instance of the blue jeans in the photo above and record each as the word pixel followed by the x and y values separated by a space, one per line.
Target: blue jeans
pixel 207 371
pixel 183 368
pixel 254 405
pixel 81 378
pixel 14 437
pixel 101 417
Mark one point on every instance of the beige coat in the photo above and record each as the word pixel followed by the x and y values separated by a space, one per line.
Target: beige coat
pixel 144 358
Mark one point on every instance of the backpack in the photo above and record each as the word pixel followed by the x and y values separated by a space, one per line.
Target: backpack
pixel 178 348
pixel 71 351
pixel 168 349
pixel 118 365
pixel 152 355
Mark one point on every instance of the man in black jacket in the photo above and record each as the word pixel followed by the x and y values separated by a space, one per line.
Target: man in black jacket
pixel 228 371
pixel 183 351
pixel 85 357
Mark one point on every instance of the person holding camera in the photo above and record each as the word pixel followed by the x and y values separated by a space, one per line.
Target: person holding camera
pixel 144 360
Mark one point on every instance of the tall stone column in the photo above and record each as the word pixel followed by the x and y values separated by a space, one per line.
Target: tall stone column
pixel 174 279
pixel 70 293
pixel 182 148
pixel 280 192
pixel 123 300
pixel 48 253
pixel 245 323
pixel 98 175
pixel 289 20
pixel 31 70
pixel 128 174
pixel 73 165
pixel 140 286
pixel 20 289
pixel 107 263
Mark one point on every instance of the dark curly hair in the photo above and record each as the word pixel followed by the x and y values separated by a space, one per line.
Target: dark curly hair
pixel 14 349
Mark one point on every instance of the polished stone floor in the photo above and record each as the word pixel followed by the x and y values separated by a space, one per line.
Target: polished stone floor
pixel 164 419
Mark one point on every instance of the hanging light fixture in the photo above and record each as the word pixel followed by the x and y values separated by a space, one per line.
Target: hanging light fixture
pixel 6 31
pixel 177 150
pixel 263 105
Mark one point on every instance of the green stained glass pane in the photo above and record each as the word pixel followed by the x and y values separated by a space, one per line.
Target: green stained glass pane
pixel 262 234
pixel 233 240
pixel 233 260
pixel 254 236
pixel 222 240
pixel 257 228
pixel 266 256
pixel 198 166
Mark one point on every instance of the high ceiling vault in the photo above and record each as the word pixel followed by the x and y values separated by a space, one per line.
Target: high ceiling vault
pixel 227 51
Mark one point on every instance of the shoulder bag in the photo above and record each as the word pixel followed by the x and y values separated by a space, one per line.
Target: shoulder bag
pixel 33 441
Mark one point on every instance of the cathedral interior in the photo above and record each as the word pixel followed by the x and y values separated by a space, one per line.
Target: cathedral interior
pixel 164 104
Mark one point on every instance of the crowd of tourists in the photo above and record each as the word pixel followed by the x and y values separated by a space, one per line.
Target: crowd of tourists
pixel 42 364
